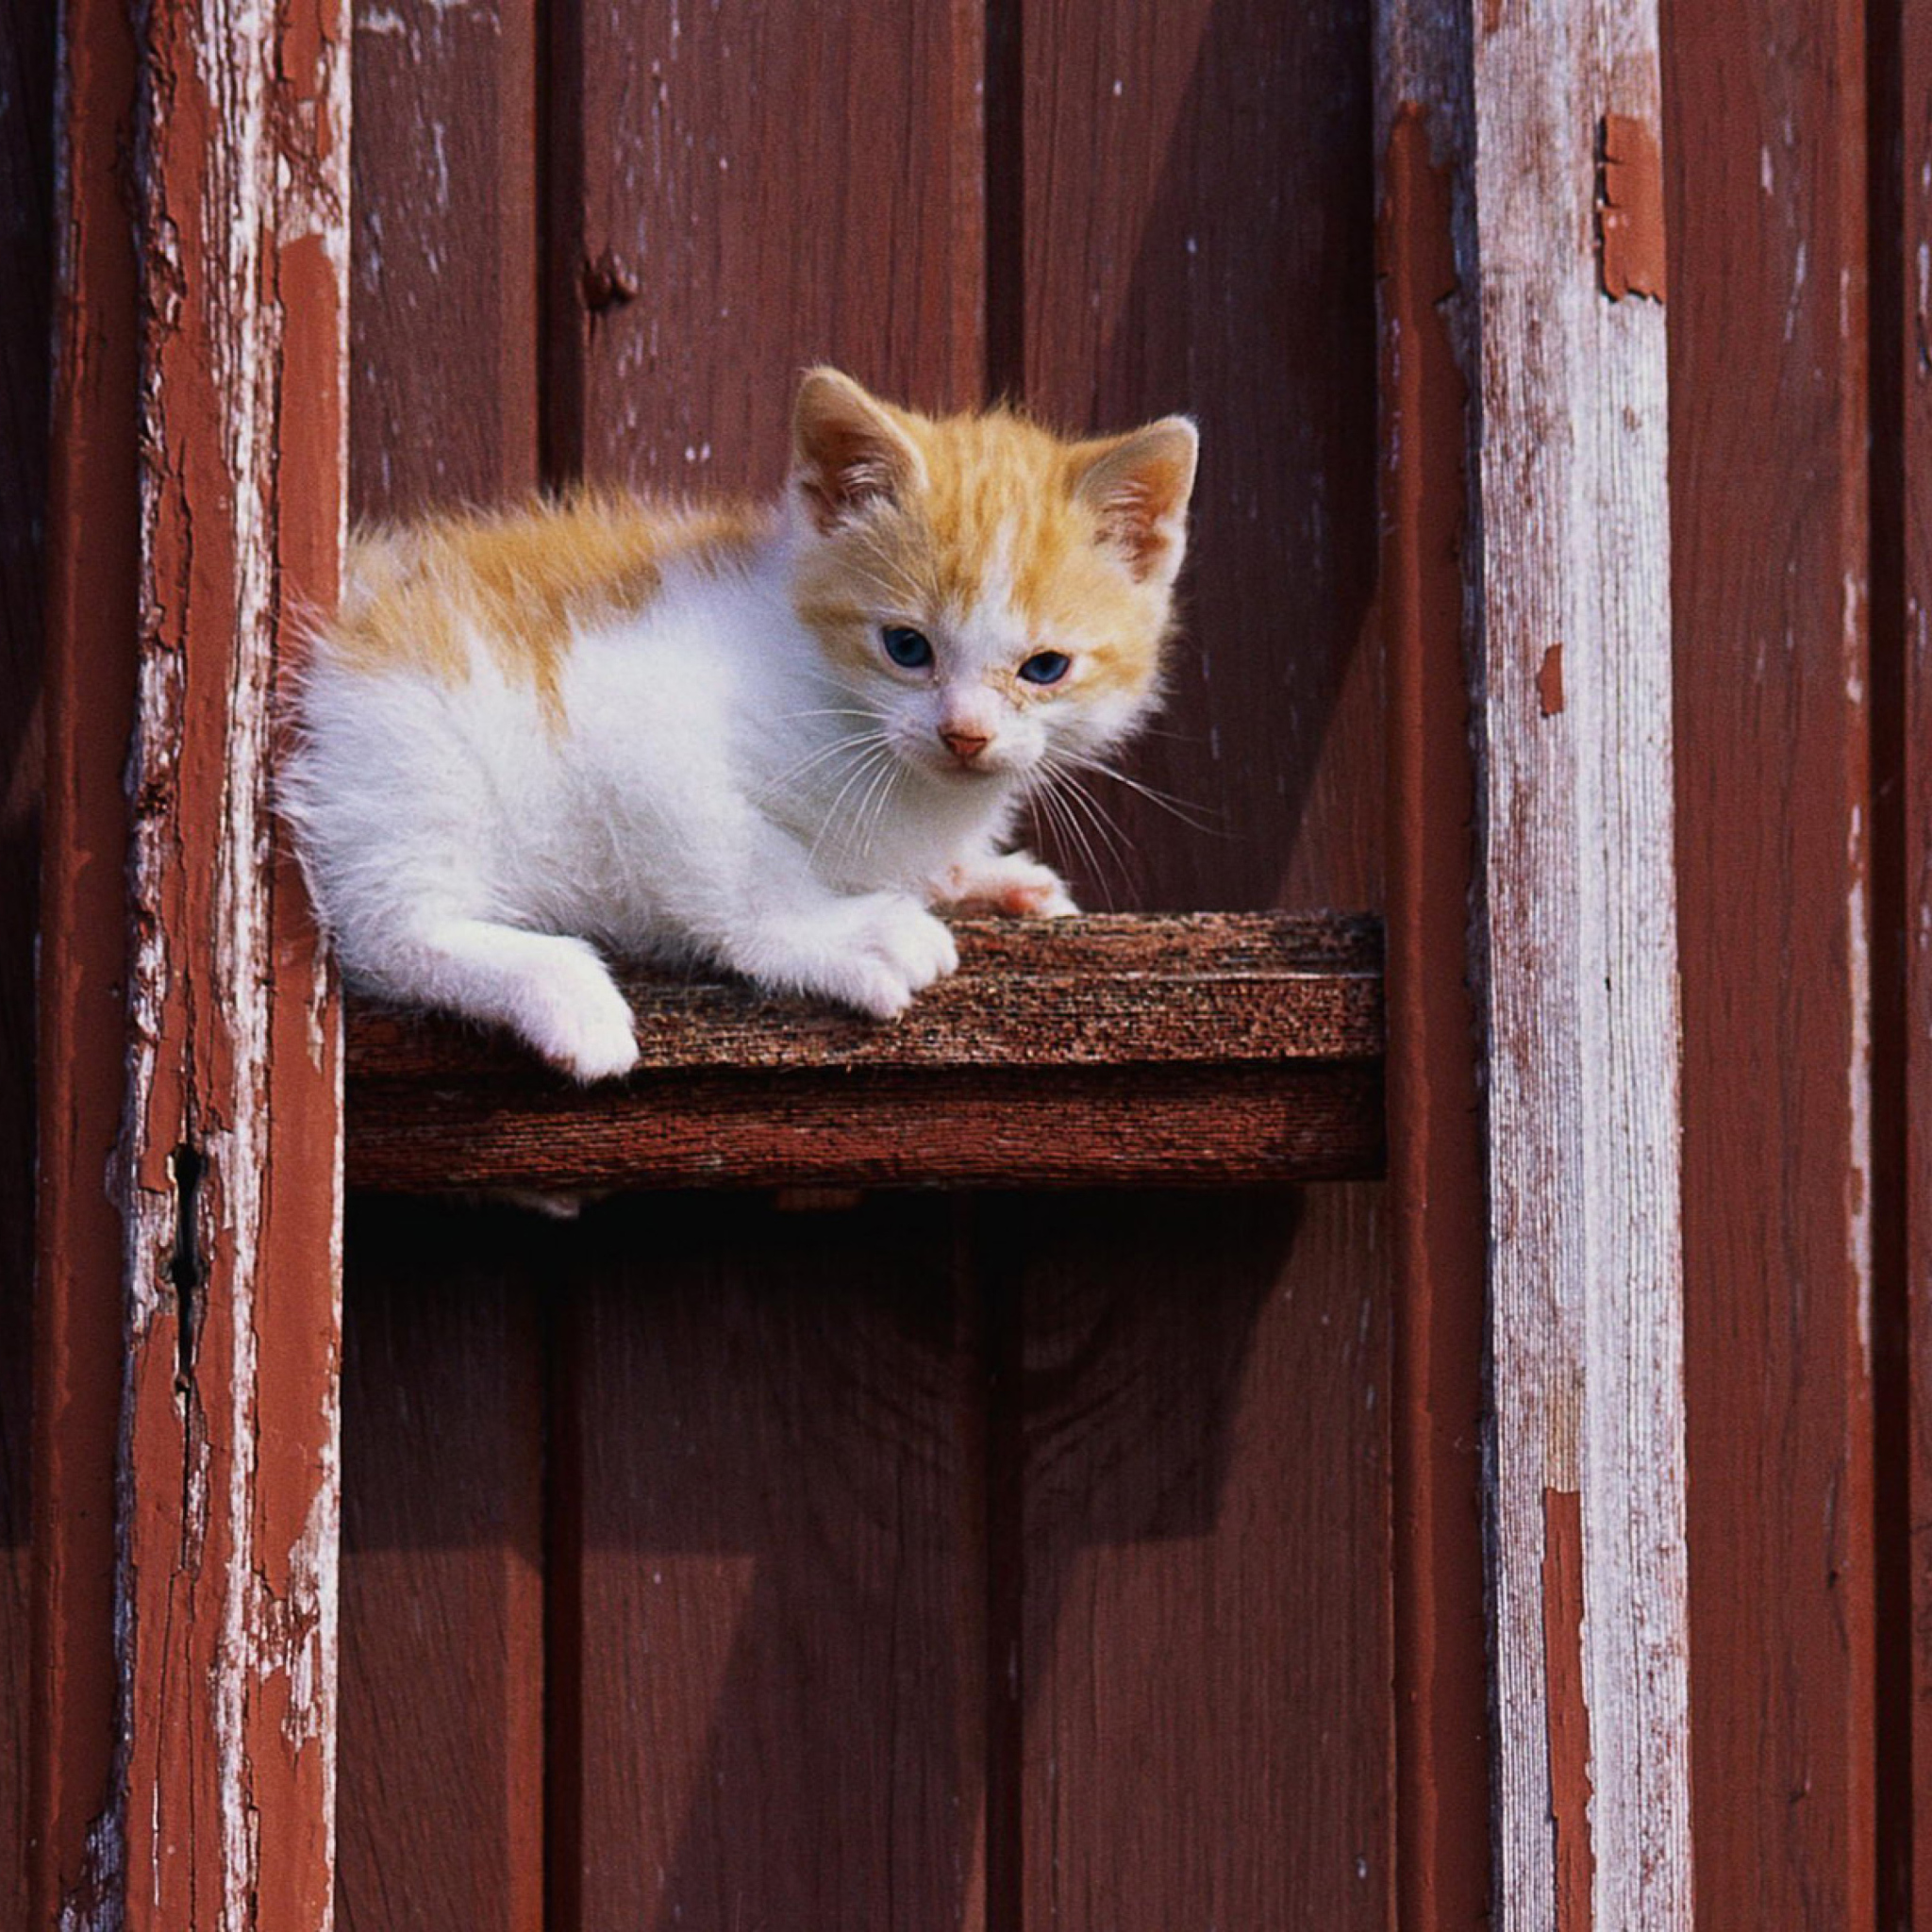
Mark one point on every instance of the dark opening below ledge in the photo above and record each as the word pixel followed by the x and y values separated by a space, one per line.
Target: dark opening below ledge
pixel 1195 1050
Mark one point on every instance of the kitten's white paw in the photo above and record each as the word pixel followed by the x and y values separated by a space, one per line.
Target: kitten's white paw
pixel 1014 883
pixel 874 953
pixel 574 1015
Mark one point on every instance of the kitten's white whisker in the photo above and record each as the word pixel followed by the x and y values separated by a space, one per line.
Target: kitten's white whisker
pixel 1196 818
pixel 867 763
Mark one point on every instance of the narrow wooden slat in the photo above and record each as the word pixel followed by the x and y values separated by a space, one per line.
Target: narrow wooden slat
pixel 441 1805
pixel 1767 175
pixel 1211 1050
pixel 27 249
pixel 92 552
pixel 1424 129
pixel 1902 627
pixel 442 1748
pixel 1194 1419
pixel 227 1181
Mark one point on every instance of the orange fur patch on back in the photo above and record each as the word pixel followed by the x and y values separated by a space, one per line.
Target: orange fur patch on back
pixel 522 581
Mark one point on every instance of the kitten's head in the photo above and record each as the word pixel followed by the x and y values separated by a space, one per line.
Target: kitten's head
pixel 993 596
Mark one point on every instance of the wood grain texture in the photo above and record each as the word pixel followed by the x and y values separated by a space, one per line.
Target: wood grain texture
pixel 1179 1051
pixel 1766 170
pixel 1428 277
pixel 1099 990
pixel 1899 71
pixel 1196 209
pixel 442 1740
pixel 784 1730
pixel 440 1806
pixel 93 552
pixel 778 189
pixel 444 254
pixel 769 1630
pixel 228 1174
pixel 1578 970
pixel 1199 1675
pixel 27 249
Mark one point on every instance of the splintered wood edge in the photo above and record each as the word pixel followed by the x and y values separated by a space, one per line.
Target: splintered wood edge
pixel 1102 989
pixel 1207 1049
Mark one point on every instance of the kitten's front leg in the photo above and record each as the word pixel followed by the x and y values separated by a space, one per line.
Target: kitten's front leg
pixel 1015 883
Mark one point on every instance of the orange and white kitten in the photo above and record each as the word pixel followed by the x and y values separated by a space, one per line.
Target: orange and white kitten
pixel 770 741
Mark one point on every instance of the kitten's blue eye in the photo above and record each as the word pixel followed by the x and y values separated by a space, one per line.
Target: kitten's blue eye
pixel 1046 667
pixel 909 649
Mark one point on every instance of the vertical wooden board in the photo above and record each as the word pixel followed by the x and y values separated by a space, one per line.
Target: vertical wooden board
pixel 768 1621
pixel 786 1728
pixel 1764 145
pixel 1203 1651
pixel 26 247
pixel 440 1799
pixel 442 402
pixel 1902 700
pixel 1196 205
pixel 441 1743
pixel 1197 218
pixel 741 191
pixel 92 551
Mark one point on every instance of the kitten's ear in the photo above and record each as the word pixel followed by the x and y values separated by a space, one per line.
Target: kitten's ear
pixel 1138 486
pixel 847 451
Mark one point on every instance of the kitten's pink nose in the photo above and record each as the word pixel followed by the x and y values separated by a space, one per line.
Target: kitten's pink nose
pixel 965 745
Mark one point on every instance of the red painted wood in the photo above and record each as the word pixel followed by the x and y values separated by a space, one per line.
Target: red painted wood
pixel 778 190
pixel 442 1746
pixel 1901 710
pixel 1436 1152
pixel 1204 1436
pixel 1766 180
pixel 26 233
pixel 799 1744
pixel 91 627
pixel 773 1627
pixel 441 1801
pixel 226 1173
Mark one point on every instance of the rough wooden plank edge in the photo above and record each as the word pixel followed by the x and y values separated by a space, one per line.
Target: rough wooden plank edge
pixel 1175 1127
pixel 1195 988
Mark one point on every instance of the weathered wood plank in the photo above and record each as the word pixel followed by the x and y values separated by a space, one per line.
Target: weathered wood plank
pixel 226 1176
pixel 1200 989
pixel 1186 1050
pixel 440 1806
pixel 1767 167
pixel 1575 952
pixel 1578 967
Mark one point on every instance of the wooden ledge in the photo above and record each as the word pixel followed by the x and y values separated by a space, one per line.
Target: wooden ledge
pixel 1207 1049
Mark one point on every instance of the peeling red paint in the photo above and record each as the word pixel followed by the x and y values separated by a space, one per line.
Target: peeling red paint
pixel 1549 682
pixel 1567 1696
pixel 1630 209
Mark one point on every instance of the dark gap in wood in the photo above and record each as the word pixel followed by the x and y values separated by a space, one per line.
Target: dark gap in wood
pixel 563 1555
pixel 561 243
pixel 187 1271
pixel 1005 121
pixel 1890 894
pixel 1003 1328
